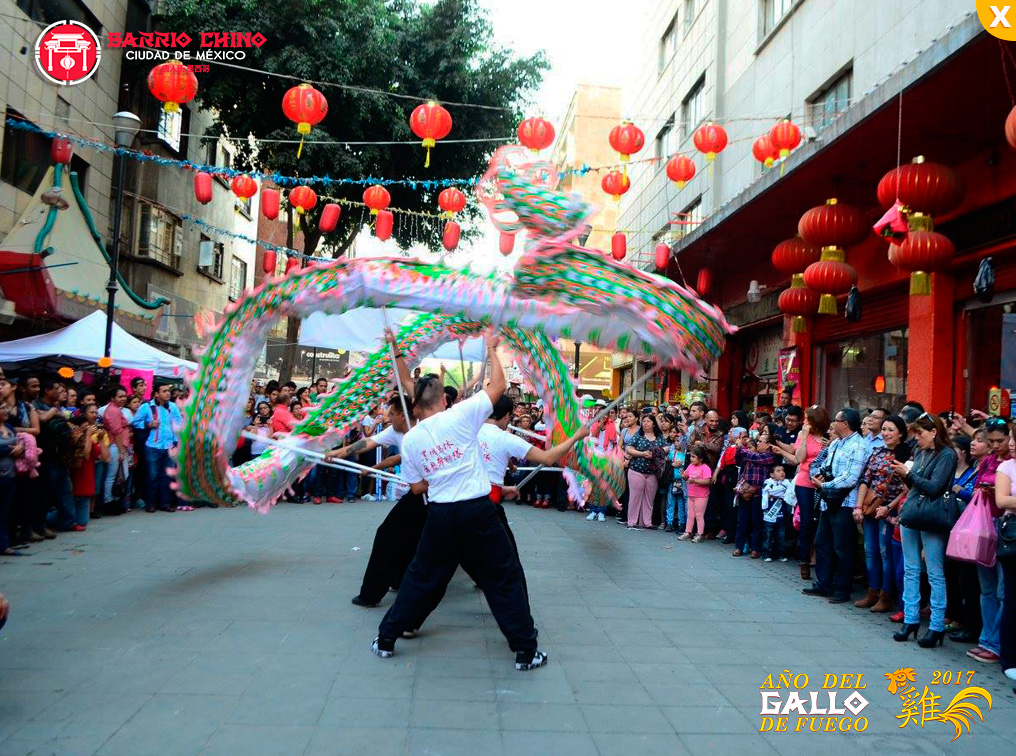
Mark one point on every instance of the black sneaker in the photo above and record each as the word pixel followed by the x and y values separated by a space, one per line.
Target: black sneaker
pixel 813 591
pixel 356 600
pixel 526 660
pixel 383 647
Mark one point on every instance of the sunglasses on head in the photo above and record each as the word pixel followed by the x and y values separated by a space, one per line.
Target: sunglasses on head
pixel 996 423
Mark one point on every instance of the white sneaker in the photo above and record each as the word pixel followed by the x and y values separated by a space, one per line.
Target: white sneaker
pixel 600 517
pixel 538 659
pixel 384 653
pixel 592 516
pixel 1011 673
pixel 783 559
pixel 768 559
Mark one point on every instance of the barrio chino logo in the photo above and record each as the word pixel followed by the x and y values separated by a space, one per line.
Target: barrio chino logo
pixel 998 18
pixel 67 53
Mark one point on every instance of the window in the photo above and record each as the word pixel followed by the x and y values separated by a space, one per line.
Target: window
pixel 160 236
pixel 688 219
pixel 25 155
pixel 170 124
pixel 666 140
pixel 693 108
pixel 774 11
pixel 849 368
pixel 691 9
pixel 825 107
pixel 668 44
pixel 50 11
pixel 237 278
pixel 210 254
pixel 63 111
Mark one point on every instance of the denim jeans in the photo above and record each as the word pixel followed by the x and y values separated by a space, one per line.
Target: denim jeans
pixel 59 491
pixel 774 543
pixel 892 559
pixel 111 470
pixel 806 536
pixel 81 509
pixel 992 592
pixel 873 559
pixel 161 495
pixel 675 502
pixel 749 524
pixel 933 545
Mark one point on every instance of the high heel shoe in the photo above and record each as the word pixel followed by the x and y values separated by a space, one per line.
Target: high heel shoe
pixel 905 632
pixel 931 639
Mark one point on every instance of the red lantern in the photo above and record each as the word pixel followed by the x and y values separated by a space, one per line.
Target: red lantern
pixel 704 282
pixel 615 184
pixel 268 261
pixel 1010 128
pixel 506 243
pixel 304 106
pixel 383 225
pixel 922 187
pixel 764 151
pixel 618 246
pixel 430 122
pixel 680 170
pixel 292 263
pixel 376 198
pixel 710 139
pixel 627 139
pixel 834 224
pixel 330 215
pixel 785 136
pixel 173 84
pixel 536 133
pixel 830 276
pixel 270 203
pixel 794 255
pixel 302 198
pixel 662 256
pixel 450 239
pixel 922 253
pixel 61 151
pixel 451 200
pixel 244 187
pixel 799 301
pixel 203 187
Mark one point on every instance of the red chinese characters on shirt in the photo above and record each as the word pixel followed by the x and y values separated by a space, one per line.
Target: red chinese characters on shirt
pixel 440 456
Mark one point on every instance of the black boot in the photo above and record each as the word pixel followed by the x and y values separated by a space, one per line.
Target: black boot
pixel 931 639
pixel 905 632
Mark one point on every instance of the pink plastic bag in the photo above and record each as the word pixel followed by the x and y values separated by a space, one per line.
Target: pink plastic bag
pixel 973 537
pixel 797 517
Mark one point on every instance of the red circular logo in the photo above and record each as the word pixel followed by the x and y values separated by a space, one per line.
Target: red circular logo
pixel 67 52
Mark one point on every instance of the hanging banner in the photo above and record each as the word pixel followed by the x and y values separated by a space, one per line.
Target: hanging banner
pixel 790 372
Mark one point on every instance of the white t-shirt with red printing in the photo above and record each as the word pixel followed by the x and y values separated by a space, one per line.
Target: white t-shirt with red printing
pixel 498 447
pixel 444 451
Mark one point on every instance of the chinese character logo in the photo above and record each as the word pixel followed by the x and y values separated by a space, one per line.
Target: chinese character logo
pixel 925 707
pixel 67 53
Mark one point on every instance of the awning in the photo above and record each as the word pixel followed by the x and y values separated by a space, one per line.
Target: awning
pixel 85 341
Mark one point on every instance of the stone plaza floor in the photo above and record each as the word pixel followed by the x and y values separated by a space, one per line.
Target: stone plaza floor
pixel 226 633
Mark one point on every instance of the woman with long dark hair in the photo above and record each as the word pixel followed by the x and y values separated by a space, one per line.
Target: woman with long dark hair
pixel 643 472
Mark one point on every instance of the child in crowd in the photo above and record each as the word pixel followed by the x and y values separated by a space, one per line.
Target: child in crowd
pixel 778 500
pixel 676 505
pixel 89 446
pixel 699 476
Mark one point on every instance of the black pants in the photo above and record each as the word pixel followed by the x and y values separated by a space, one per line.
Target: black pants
pixel 963 594
pixel 469 533
pixel 835 541
pixel 1007 623
pixel 394 547
pixel 748 536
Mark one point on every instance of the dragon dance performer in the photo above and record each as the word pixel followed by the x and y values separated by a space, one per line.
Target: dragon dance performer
pixel 441 457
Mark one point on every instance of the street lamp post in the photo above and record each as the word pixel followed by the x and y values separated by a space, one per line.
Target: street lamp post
pixel 126 126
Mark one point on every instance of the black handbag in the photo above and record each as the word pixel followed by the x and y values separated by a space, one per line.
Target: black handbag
pixel 931 515
pixel 1006 548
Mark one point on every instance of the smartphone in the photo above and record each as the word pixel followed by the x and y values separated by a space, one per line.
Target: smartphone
pixel 753 434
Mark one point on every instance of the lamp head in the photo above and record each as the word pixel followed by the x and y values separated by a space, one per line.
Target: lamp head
pixel 126 125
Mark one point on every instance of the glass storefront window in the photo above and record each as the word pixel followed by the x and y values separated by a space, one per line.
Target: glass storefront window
pixel 991 360
pixel 849 372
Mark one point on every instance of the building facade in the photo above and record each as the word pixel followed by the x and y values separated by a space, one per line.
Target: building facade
pixel 760 62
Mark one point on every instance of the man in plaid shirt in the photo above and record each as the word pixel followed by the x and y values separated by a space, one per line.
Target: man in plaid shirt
pixel 837 533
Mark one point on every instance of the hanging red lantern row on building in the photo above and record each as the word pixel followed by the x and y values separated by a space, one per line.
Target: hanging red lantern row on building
pixel 305 106
pixel 710 139
pixel 615 184
pixel 799 302
pixel 270 203
pixel 536 133
pixel 269 259
pixel 794 255
pixel 244 186
pixel 922 186
pixel 330 215
pixel 832 227
pixel 626 139
pixel 662 256
pixel 61 151
pixel 203 187
pixel 764 151
pixel 831 276
pixel 785 137
pixel 430 122
pixel 618 246
pixel 923 252
pixel 680 170
pixel 172 84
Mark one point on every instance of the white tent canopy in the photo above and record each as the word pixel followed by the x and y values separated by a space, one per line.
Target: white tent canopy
pixel 85 340
pixel 362 330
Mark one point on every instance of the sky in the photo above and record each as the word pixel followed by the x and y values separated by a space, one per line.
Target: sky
pixel 585 42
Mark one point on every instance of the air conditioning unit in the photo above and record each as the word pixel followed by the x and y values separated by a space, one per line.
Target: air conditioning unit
pixel 7 314
pixel 810 135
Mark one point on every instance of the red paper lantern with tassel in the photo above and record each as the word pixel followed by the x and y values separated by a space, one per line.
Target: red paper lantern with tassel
pixel 785 136
pixel 173 84
pixel 615 184
pixel 680 170
pixel 764 151
pixel 834 224
pixel 799 302
pixel 794 255
pixel 330 215
pixel 626 138
pixel 704 282
pixel 270 203
pixel 922 253
pixel 710 139
pixel 203 187
pixel 1010 128
pixel 451 201
pixel 244 187
pixel 304 106
pixel 383 225
pixel 61 151
pixel 450 238
pixel 618 246
pixel 506 243
pixel 830 276
pixel 430 122
pixel 922 186
pixel 292 263
pixel 662 256
pixel 377 198
pixel 303 198
pixel 536 133
pixel 269 259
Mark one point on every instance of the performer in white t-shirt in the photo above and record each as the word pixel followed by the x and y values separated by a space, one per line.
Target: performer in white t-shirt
pixel 441 457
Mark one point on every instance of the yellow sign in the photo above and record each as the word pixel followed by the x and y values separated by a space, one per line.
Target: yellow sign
pixel 998 18
pixel 919 708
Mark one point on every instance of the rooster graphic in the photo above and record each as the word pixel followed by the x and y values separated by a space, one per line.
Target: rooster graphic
pixel 924 707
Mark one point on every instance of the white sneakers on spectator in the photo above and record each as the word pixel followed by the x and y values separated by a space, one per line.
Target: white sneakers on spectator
pixel 592 516
pixel 600 517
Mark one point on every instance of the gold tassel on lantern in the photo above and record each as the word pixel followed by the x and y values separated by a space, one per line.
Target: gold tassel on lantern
pixel 799 324
pixel 827 304
pixel 920 284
